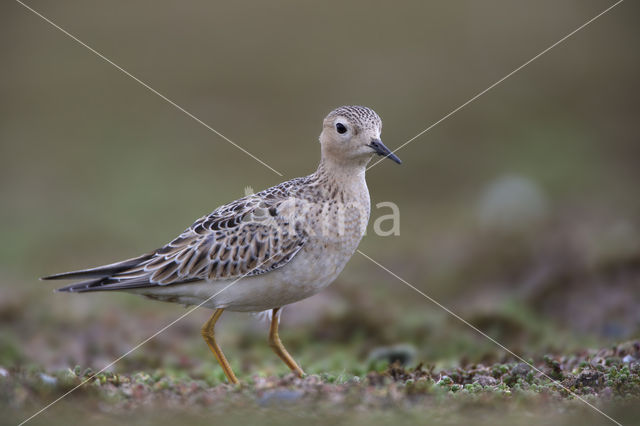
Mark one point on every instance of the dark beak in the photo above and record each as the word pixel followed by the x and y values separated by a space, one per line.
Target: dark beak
pixel 380 149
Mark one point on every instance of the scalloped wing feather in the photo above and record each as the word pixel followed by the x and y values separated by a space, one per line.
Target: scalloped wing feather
pixel 222 246
pixel 251 236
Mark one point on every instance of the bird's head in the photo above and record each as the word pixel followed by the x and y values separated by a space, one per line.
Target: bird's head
pixel 351 136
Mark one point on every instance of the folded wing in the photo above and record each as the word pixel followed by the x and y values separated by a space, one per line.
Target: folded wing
pixel 251 236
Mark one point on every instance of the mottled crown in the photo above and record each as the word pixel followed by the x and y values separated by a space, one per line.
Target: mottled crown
pixel 361 116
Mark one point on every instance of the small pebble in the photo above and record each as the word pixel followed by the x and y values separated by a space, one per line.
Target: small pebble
pixel 47 379
pixel 627 359
pixel 486 381
pixel 521 369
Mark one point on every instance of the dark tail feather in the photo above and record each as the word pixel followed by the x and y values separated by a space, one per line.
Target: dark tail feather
pixel 108 284
pixel 100 272
pixel 102 278
pixel 83 286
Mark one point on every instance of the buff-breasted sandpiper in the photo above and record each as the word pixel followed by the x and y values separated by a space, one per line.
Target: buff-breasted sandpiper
pixel 265 250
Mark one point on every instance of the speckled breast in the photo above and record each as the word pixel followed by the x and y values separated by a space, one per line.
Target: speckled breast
pixel 335 229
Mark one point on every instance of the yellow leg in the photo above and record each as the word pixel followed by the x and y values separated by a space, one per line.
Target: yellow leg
pixel 278 348
pixel 208 335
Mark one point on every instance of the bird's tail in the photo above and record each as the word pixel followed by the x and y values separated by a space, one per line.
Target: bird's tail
pixel 94 277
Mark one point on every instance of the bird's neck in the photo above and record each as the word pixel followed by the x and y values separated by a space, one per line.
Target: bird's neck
pixel 343 181
pixel 342 172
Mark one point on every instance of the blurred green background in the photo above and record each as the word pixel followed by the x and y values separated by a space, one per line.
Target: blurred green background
pixel 520 212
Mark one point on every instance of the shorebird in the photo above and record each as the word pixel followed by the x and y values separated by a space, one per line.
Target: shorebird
pixel 265 250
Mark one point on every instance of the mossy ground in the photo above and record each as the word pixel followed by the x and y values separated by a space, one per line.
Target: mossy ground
pixel 557 390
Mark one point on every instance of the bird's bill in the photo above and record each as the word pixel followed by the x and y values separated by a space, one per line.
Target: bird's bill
pixel 380 149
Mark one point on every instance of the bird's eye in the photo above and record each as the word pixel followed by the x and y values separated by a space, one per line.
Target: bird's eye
pixel 341 128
